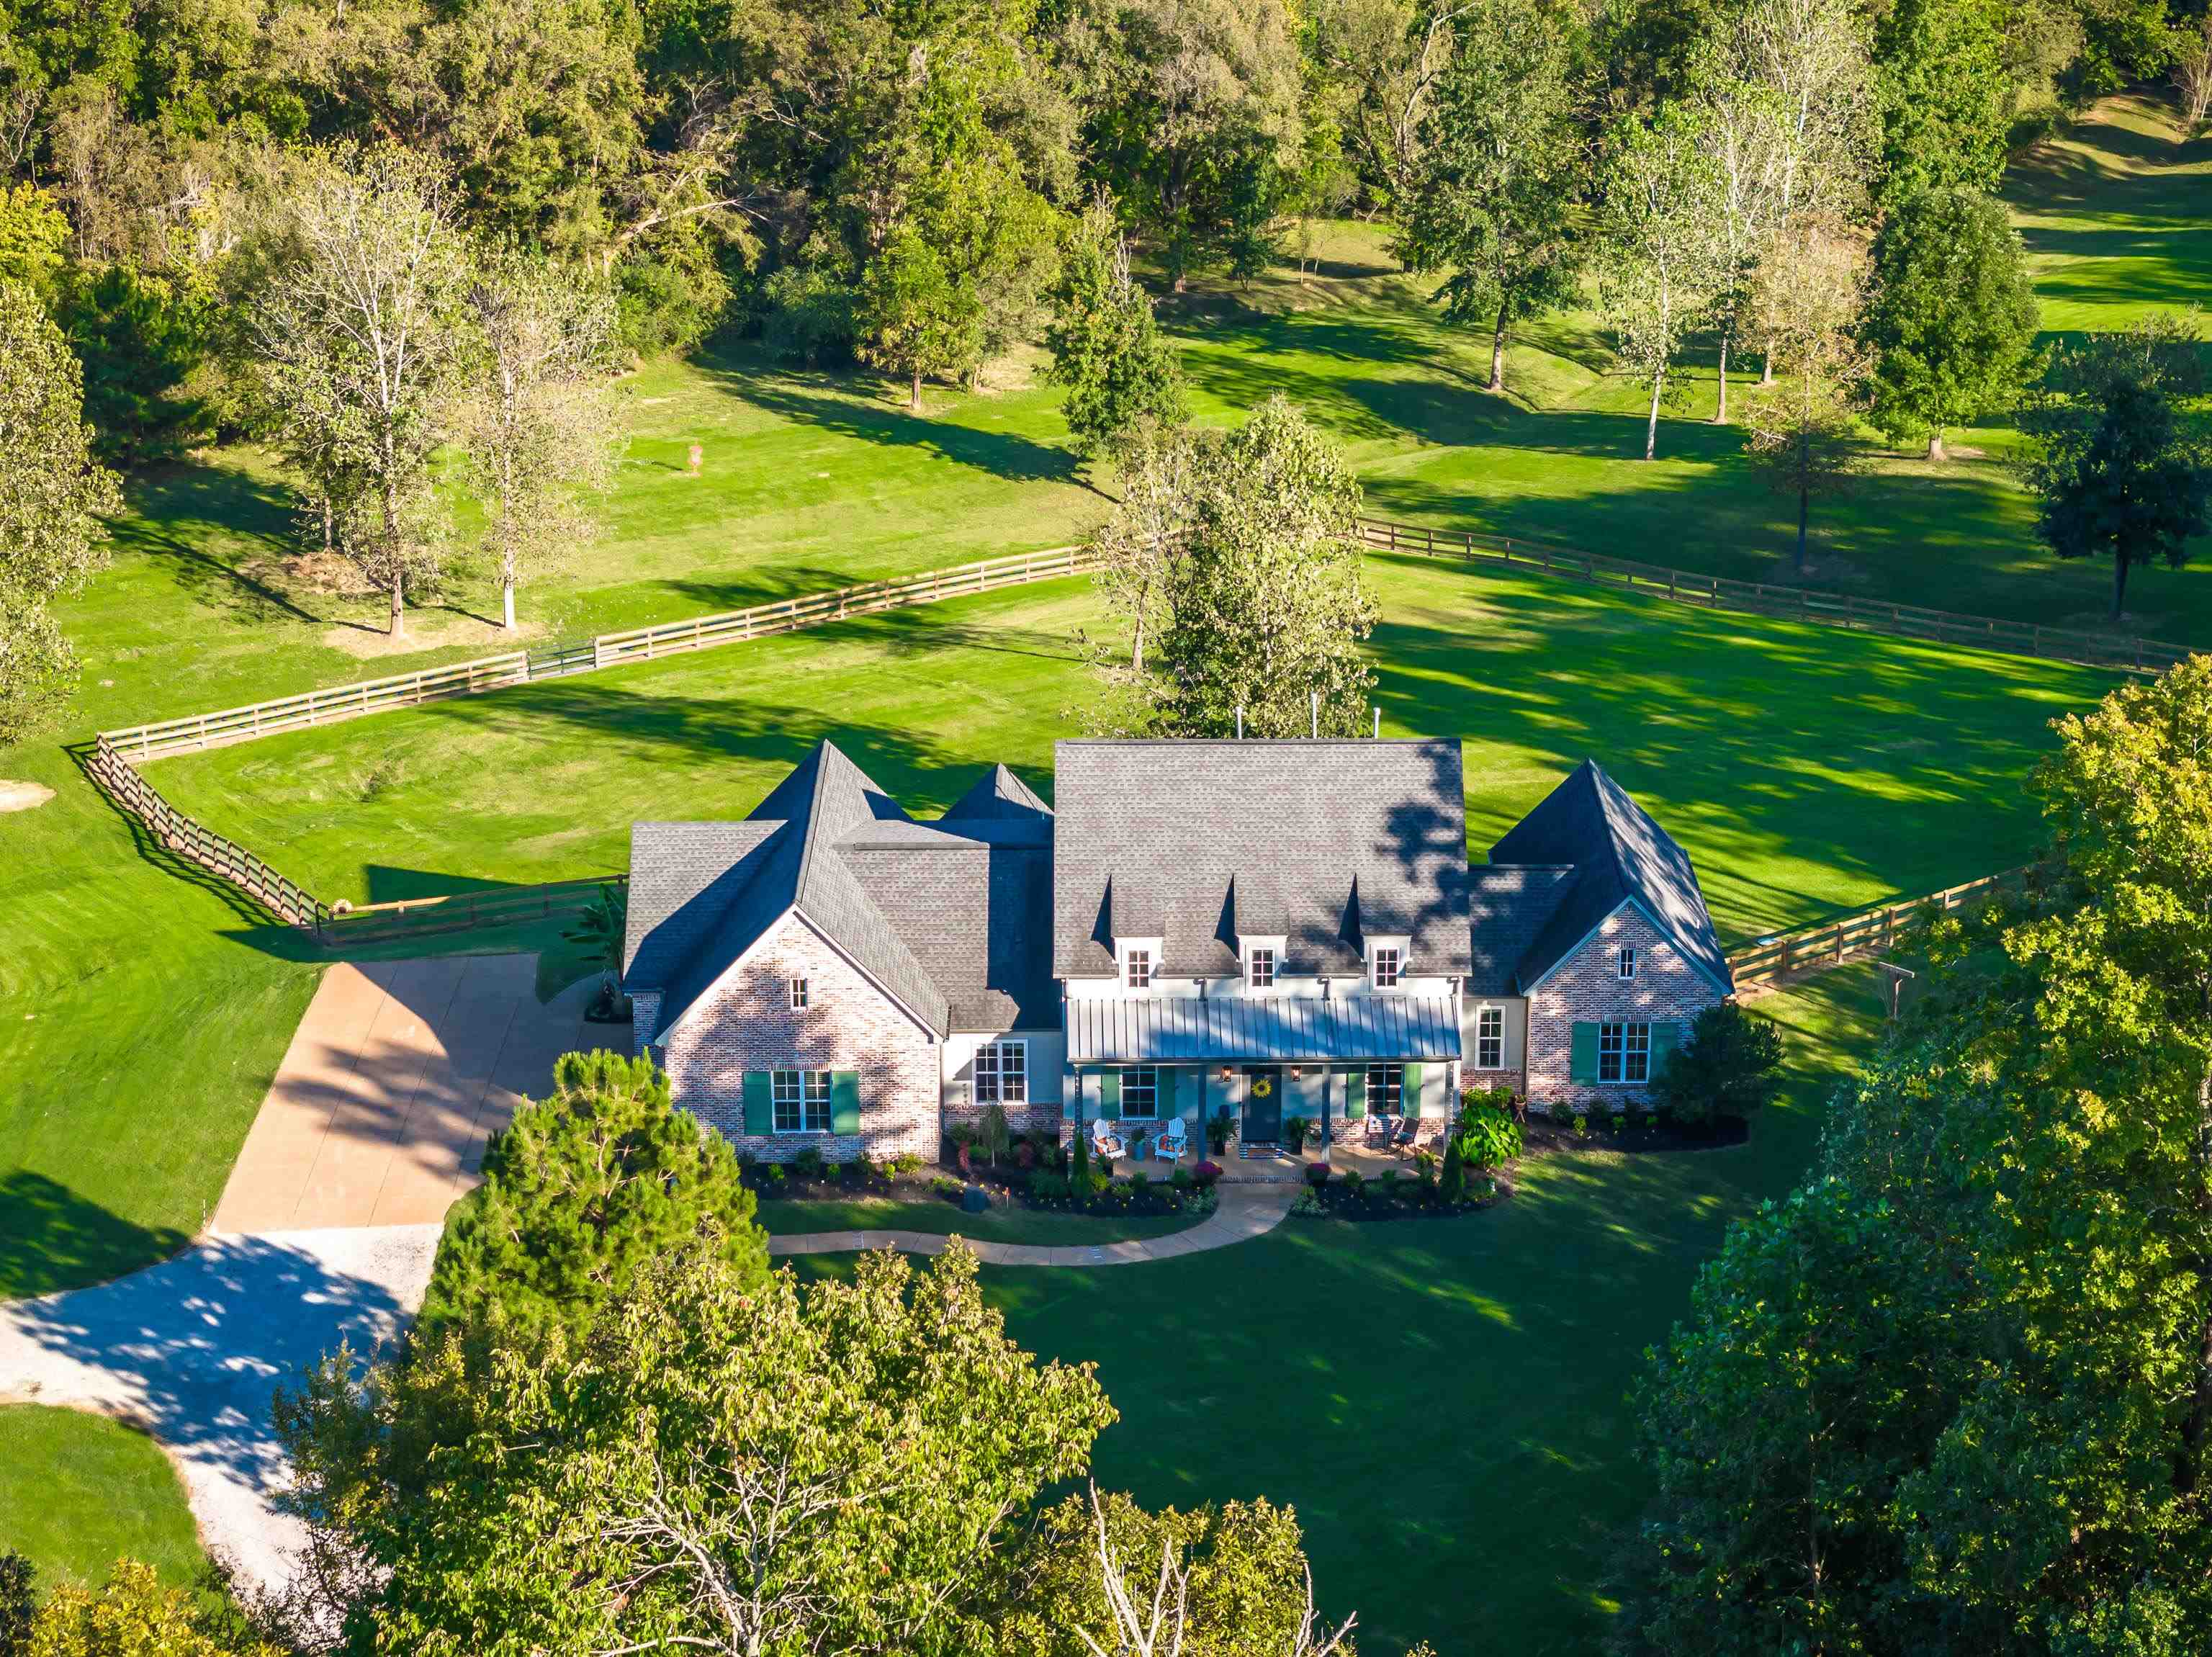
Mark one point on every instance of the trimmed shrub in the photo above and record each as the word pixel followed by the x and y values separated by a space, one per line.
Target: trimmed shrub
pixel 1731 1066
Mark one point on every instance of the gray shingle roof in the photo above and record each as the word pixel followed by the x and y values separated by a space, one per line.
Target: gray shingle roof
pixel 1321 841
pixel 953 924
pixel 1507 906
pixel 1620 854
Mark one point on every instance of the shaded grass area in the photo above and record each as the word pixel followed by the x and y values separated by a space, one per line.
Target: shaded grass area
pixel 79 1491
pixel 785 1217
pixel 1808 770
pixel 1445 1402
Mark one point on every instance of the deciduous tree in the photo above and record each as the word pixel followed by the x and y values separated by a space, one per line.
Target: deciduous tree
pixel 1138 546
pixel 1660 258
pixel 1808 299
pixel 1946 105
pixel 539 431
pixel 53 496
pixel 359 336
pixel 1954 317
pixel 723 1465
pixel 1265 608
pixel 1495 204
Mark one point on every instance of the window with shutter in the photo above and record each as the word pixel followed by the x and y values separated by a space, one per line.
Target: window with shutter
pixel 845 1101
pixel 759 1103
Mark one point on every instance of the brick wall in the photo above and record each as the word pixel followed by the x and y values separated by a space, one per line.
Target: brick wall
pixel 746 1022
pixel 1586 987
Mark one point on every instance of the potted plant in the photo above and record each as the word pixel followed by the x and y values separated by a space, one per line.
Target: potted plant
pixel 1295 1131
pixel 1219 1128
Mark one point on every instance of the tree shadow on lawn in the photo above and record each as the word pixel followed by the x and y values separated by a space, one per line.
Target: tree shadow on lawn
pixel 848 412
pixel 1771 751
pixel 177 509
pixel 50 1236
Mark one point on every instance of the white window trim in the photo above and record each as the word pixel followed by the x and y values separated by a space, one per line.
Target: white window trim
pixel 1397 958
pixel 1375 1095
pixel 802 1130
pixel 801 994
pixel 1626 964
pixel 1014 1047
pixel 1627 1027
pixel 1252 967
pixel 1481 1013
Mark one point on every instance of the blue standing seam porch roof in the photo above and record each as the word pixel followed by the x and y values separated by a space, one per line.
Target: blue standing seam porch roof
pixel 1184 1030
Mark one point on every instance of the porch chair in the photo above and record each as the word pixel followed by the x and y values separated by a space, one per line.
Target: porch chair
pixel 1379 1130
pixel 1104 1142
pixel 1408 1130
pixel 1171 1141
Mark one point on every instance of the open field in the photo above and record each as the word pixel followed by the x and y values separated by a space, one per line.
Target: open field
pixel 1808 770
pixel 78 1491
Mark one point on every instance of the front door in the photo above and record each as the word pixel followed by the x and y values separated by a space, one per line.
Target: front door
pixel 1263 1104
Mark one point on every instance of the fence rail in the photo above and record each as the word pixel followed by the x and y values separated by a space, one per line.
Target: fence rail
pixel 138 743
pixel 1869 932
pixel 1831 609
pixel 462 912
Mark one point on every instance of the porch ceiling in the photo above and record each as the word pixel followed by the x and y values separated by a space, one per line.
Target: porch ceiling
pixel 1261 1029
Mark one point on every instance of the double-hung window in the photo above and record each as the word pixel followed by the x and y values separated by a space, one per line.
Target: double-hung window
pixel 1490 1039
pixel 798 994
pixel 802 1100
pixel 1137 968
pixel 1624 1052
pixel 1390 965
pixel 1386 1089
pixel 1627 968
pixel 1141 1091
pixel 1002 1074
pixel 1260 968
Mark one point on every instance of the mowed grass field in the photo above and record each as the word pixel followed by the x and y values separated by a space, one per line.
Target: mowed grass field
pixel 1808 770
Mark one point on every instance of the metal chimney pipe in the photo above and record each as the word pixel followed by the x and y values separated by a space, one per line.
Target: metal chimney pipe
pixel 1240 722
pixel 1316 713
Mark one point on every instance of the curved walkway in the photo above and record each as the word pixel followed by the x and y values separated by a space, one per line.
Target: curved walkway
pixel 1244 1212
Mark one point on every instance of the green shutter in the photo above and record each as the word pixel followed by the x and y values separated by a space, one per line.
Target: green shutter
pixel 1665 1040
pixel 1582 1063
pixel 1355 1093
pixel 845 1101
pixel 1109 1095
pixel 1410 1101
pixel 1167 1106
pixel 760 1102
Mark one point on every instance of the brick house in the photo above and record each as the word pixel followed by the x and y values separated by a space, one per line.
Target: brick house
pixel 1267 929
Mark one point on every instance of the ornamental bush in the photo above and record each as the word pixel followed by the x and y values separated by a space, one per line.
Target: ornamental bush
pixel 580 1192
pixel 1729 1067
pixel 1485 1135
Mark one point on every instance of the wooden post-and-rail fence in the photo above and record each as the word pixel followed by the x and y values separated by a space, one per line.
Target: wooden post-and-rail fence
pixel 1869 932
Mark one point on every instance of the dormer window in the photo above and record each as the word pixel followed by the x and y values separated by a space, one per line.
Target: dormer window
pixel 1260 968
pixel 1390 966
pixel 1137 968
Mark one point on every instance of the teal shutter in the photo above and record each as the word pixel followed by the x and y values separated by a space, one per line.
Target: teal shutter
pixel 1109 1095
pixel 1666 1038
pixel 1410 1101
pixel 760 1102
pixel 1355 1093
pixel 845 1101
pixel 1167 1106
pixel 1581 1062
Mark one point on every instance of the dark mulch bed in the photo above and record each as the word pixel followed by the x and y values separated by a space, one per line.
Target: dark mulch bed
pixel 1405 1199
pixel 1041 1188
pixel 1544 1137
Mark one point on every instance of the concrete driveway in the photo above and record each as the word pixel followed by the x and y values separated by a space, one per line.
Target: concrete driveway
pixel 394 1080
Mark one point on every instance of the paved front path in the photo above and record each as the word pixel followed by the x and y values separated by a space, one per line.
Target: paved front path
pixel 193 1350
pixel 398 1074
pixel 1245 1212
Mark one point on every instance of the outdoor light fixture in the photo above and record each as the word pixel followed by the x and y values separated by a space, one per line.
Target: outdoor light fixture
pixel 1226 1073
pixel 1294 1073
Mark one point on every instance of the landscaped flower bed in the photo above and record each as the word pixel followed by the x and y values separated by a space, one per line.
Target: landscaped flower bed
pixel 1392 1195
pixel 1550 1132
pixel 1033 1175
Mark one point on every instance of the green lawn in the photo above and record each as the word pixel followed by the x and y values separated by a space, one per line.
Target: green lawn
pixel 1807 769
pixel 1445 1402
pixel 78 1491
pixel 784 1217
